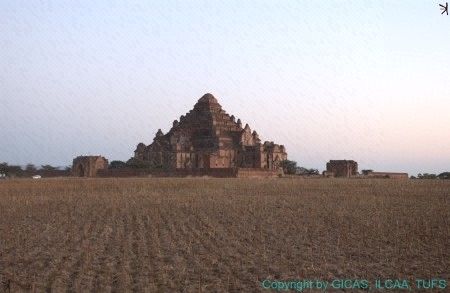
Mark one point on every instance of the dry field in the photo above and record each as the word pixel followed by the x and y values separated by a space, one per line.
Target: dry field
pixel 218 235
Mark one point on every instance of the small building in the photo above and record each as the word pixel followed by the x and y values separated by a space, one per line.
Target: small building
pixel 341 168
pixel 87 166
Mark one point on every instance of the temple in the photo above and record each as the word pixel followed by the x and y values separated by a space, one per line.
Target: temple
pixel 88 166
pixel 208 138
pixel 341 168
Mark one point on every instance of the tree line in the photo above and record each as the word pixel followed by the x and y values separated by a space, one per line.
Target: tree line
pixel 443 175
pixel 7 170
pixel 291 168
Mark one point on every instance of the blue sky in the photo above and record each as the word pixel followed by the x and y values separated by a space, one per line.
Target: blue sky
pixel 362 80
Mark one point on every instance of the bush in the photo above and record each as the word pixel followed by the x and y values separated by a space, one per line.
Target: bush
pixel 289 167
pixel 444 175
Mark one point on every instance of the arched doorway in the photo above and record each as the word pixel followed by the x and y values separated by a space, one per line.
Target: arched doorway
pixel 80 170
pixel 276 163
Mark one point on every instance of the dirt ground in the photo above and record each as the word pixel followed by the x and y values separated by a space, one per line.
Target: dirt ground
pixel 218 235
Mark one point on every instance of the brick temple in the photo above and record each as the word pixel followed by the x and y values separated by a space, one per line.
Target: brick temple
pixel 88 166
pixel 341 168
pixel 208 139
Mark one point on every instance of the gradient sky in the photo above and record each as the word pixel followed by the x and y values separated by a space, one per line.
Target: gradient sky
pixel 361 80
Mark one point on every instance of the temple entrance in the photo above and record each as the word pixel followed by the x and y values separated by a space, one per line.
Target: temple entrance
pixel 276 163
pixel 80 170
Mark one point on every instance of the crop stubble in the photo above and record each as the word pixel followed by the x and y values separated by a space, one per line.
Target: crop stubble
pixel 199 234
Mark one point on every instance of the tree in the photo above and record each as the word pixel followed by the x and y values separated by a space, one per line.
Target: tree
pixel 11 170
pixel 117 165
pixel 427 176
pixel 301 171
pixel 306 171
pixel 139 164
pixel 14 171
pixel 48 168
pixel 30 168
pixel 444 175
pixel 4 168
pixel 367 171
pixel 289 167
pixel 313 171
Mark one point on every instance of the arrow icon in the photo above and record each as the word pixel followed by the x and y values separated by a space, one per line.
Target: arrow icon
pixel 444 8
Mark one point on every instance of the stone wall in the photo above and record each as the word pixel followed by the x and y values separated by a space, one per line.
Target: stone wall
pixel 387 175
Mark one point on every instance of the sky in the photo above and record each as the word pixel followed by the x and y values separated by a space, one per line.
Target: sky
pixel 361 80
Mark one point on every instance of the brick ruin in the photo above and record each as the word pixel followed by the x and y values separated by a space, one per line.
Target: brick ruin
pixel 208 138
pixel 386 175
pixel 349 168
pixel 341 168
pixel 88 166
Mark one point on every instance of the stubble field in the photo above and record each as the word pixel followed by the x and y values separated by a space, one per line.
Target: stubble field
pixel 218 235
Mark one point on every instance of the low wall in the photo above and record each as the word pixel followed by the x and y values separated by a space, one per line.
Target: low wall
pixel 388 175
pixel 213 172
pixel 123 172
pixel 253 172
pixel 129 172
